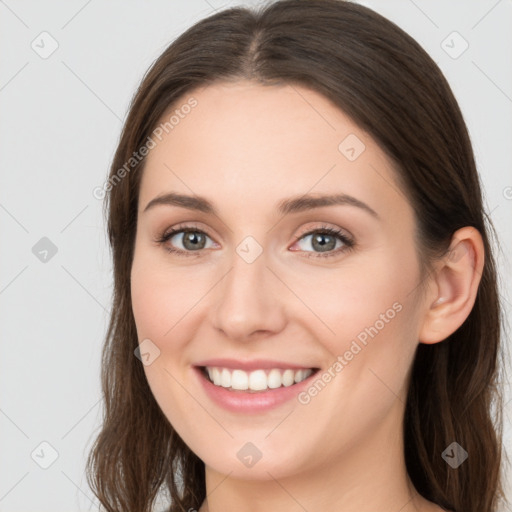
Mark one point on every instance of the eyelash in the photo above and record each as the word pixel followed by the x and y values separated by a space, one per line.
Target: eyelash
pixel 326 230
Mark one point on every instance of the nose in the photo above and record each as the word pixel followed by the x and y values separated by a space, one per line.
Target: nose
pixel 249 301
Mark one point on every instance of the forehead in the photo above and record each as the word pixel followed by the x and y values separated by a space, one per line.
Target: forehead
pixel 245 143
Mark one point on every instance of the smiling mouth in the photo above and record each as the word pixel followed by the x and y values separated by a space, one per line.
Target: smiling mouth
pixel 255 381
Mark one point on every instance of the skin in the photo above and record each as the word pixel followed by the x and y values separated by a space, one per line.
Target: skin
pixel 245 147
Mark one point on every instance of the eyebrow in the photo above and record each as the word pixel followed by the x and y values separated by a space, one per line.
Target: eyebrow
pixel 284 207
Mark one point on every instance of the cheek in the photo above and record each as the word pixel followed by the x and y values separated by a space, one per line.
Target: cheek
pixel 371 321
pixel 370 294
pixel 165 306
pixel 161 297
pixel 150 302
pixel 160 304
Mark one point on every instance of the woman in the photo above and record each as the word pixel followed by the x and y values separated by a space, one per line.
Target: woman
pixel 305 312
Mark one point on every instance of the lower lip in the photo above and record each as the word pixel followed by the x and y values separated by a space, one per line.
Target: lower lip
pixel 241 401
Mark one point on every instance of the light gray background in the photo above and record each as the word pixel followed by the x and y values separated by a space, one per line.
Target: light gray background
pixel 60 120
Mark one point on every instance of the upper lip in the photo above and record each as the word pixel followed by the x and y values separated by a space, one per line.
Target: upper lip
pixel 254 364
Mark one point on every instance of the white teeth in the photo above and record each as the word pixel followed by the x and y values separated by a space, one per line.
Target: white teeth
pixel 216 376
pixel 225 378
pixel 288 377
pixel 239 380
pixel 274 379
pixel 257 380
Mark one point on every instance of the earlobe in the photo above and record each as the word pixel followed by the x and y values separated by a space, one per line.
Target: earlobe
pixel 454 287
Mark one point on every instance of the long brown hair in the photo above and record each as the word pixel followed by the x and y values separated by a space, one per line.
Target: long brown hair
pixel 389 86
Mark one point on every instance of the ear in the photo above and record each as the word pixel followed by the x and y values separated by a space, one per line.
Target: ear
pixel 454 286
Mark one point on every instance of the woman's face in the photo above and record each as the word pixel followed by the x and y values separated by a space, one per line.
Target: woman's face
pixel 265 289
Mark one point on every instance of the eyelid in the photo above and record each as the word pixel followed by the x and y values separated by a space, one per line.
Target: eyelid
pixel 184 226
pixel 339 233
pixel 346 238
pixel 181 228
pixel 325 227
